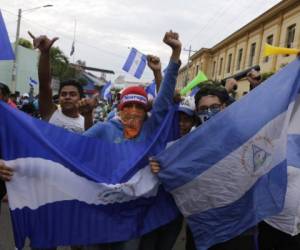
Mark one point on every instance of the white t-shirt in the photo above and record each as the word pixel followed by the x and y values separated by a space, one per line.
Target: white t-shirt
pixel 72 124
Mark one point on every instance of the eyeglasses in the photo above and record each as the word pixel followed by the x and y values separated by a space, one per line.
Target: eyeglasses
pixel 211 107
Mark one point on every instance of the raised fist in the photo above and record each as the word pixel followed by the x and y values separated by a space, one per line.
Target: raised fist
pixel 172 39
pixel 154 63
pixel 43 43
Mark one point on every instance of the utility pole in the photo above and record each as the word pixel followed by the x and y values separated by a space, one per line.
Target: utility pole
pixel 188 63
pixel 15 62
pixel 14 67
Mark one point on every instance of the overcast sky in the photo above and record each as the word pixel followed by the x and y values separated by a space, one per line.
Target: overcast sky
pixel 107 28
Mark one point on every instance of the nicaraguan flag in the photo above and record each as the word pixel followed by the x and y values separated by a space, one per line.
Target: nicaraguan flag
pixel 231 172
pixel 69 189
pixel 6 51
pixel 32 81
pixel 135 63
pixel 105 92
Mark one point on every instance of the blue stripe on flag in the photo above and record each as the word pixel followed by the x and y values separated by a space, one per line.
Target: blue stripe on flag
pixel 293 152
pixel 6 51
pixel 130 59
pixel 54 225
pixel 140 70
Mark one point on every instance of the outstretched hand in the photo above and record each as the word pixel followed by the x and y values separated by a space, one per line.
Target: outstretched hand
pixel 43 43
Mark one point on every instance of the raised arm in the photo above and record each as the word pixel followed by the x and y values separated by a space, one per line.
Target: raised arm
pixel 46 105
pixel 165 96
pixel 155 65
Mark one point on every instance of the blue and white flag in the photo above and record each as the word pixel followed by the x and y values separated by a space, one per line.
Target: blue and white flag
pixel 231 172
pixel 105 91
pixel 32 81
pixel 151 90
pixel 135 63
pixel 6 51
pixel 69 189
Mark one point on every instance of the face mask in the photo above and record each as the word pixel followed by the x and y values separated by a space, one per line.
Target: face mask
pixel 132 121
pixel 207 114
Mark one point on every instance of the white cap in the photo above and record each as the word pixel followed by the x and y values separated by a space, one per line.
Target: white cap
pixel 187 105
pixel 25 95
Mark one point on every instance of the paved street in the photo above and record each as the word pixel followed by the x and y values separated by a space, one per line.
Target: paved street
pixel 6 236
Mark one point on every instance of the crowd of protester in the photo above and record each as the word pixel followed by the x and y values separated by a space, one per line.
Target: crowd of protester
pixel 72 111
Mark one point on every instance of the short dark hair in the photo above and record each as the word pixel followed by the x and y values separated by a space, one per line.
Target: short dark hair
pixel 4 89
pixel 211 88
pixel 74 83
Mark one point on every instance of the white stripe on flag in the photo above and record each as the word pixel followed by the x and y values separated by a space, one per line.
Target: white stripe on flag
pixel 229 179
pixel 47 181
pixel 136 62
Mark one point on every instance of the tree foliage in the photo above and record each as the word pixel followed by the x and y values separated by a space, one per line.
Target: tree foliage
pixel 25 43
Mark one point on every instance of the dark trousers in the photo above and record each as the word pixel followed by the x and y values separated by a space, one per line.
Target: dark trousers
pixel 190 243
pixel 270 238
pixel 162 238
pixel 242 242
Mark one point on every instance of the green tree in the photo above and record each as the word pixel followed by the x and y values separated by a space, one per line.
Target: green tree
pixel 25 43
pixel 59 62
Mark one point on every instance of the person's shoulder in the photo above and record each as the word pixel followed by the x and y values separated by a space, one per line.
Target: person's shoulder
pixel 101 128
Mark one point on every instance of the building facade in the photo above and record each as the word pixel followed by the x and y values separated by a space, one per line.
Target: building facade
pixel 279 26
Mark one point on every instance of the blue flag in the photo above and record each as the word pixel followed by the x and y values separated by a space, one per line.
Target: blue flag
pixel 70 189
pixel 135 63
pixel 231 172
pixel 32 81
pixel 6 51
pixel 151 90
pixel 105 91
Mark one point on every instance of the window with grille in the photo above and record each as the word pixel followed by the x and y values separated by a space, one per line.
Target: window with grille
pixel 290 36
pixel 252 54
pixel 269 40
pixel 221 65
pixel 229 63
pixel 239 59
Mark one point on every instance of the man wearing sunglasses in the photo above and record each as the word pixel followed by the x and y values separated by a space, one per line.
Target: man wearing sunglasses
pixel 210 100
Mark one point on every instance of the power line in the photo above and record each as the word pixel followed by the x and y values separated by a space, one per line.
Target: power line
pixel 217 16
